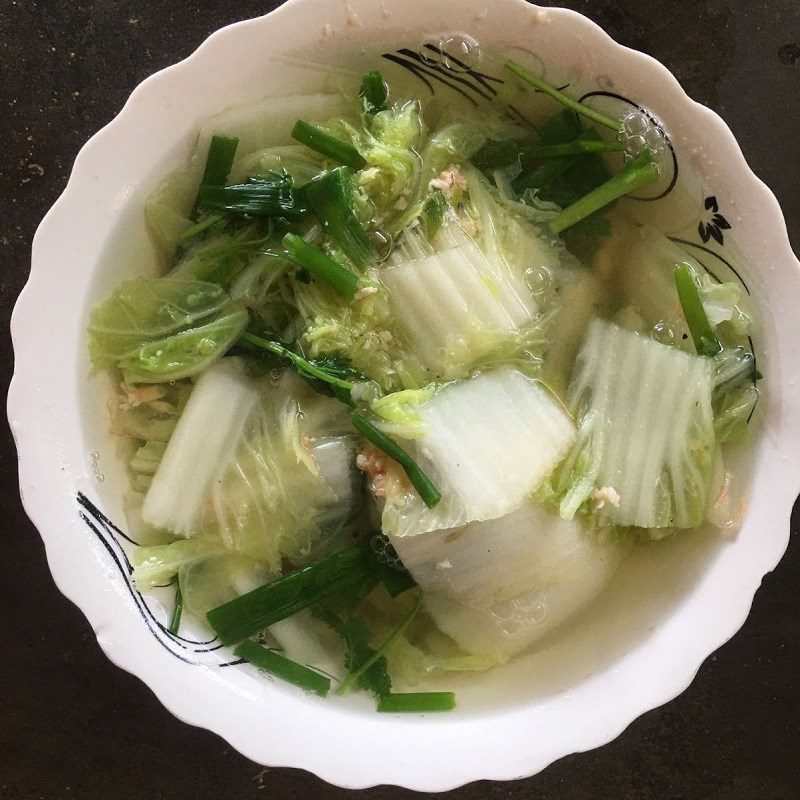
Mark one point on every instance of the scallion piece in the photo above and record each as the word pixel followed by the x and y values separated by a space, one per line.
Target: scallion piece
pixel 395 579
pixel 705 342
pixel 578 108
pixel 177 611
pixel 221 153
pixel 323 266
pixel 642 170
pixel 416 702
pixel 396 582
pixel 258 609
pixel 373 90
pixel 261 197
pixel 348 682
pixel 329 146
pixel 330 197
pixel 283 667
pixel 421 482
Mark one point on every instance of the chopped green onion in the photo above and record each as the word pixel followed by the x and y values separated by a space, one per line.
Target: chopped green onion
pixel 577 147
pixel 323 266
pixel 258 609
pixel 301 364
pixel 433 214
pixel 579 108
pixel 416 702
pixel 705 342
pixel 421 482
pixel 395 580
pixel 283 667
pixel 640 171
pixel 221 153
pixel 330 197
pixel 177 610
pixel 381 651
pixel 260 197
pixel 329 146
pixel 373 90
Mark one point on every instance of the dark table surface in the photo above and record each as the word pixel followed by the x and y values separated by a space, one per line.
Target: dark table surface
pixel 74 726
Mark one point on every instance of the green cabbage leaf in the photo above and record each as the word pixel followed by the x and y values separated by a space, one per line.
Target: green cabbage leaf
pixel 163 329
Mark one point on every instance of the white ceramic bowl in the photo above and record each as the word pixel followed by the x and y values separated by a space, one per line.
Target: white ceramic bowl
pixel 671 605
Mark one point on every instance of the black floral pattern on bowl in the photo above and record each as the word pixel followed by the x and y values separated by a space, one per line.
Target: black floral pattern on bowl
pixel 712 223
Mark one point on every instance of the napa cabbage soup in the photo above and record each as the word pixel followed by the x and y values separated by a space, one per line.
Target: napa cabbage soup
pixel 413 383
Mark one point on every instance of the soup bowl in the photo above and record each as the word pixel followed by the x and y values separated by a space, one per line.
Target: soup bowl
pixel 672 603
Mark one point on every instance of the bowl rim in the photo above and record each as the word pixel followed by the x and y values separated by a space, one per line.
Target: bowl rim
pixel 504 760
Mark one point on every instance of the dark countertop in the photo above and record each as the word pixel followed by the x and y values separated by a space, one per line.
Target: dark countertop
pixel 74 726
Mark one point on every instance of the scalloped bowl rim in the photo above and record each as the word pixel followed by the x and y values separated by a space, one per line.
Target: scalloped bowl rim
pixel 436 754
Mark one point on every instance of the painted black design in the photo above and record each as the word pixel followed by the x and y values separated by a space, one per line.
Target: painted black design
pixel 108 533
pixel 111 529
pixel 480 77
pixel 445 74
pixel 713 223
pixel 447 69
pixel 417 68
pixel 147 617
pixel 674 177
pixel 92 509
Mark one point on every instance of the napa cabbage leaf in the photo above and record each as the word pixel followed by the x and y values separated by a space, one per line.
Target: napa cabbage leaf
pixel 645 430
pixel 490 441
pixel 163 329
pixel 240 467
pixel 498 585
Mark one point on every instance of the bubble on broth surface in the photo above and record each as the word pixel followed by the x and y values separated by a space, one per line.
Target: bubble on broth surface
pixel 459 47
pixel 385 552
pixel 383 244
pixel 663 332
pixel 519 613
pixel 641 131
pixel 539 280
